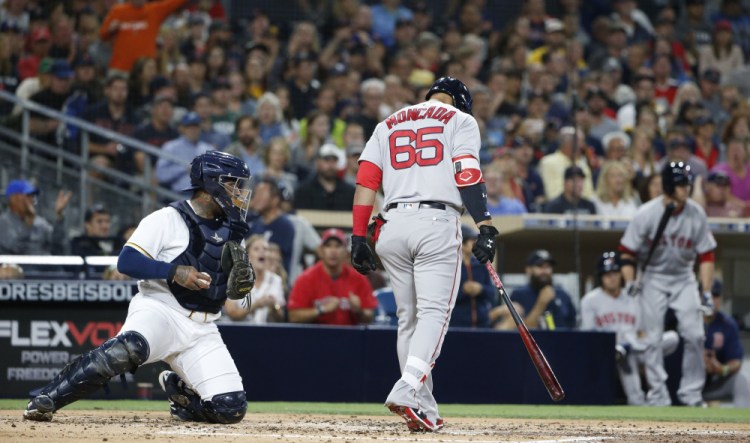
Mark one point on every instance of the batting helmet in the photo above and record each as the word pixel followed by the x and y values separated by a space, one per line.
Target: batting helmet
pixel 226 178
pixel 608 262
pixel 456 89
pixel 675 174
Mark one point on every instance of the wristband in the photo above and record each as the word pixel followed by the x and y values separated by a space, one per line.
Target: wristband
pixel 319 307
pixel 724 370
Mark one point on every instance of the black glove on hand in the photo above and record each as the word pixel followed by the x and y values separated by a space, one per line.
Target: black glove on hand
pixel 484 248
pixel 363 259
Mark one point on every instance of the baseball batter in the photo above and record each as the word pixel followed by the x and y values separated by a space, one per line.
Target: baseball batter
pixel 669 282
pixel 178 252
pixel 606 308
pixel 426 158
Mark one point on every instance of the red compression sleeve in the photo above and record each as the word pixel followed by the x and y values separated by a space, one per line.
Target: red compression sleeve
pixel 360 217
pixel 706 257
pixel 369 175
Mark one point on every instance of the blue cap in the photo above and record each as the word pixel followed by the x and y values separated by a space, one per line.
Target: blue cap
pixel 191 118
pixel 61 69
pixel 20 187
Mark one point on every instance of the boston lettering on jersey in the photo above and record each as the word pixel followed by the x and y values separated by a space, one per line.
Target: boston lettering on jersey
pixel 673 240
pixel 615 318
pixel 412 114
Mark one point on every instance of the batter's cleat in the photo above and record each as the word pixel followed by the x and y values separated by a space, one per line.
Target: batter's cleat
pixel 416 419
pixel 40 408
pixel 178 395
pixel 414 427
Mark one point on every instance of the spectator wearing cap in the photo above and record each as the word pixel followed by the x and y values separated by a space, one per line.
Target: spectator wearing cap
pixel 176 176
pixel 500 197
pixel 708 84
pixel 532 184
pixel 679 149
pixel 25 232
pixel 723 355
pixel 203 108
pixel 477 294
pixel 303 86
pixel 719 201
pixel 545 306
pixel 267 300
pixel 552 166
pixel 600 123
pixel 223 118
pixel 615 196
pixel 693 27
pixel 28 66
pixel 723 54
pixel 247 147
pixel 132 28
pixel 704 140
pixel 325 190
pixel 85 82
pixel 157 130
pixel 331 292
pixel 554 40
pixel 115 114
pixel 97 238
pixel 385 15
pixel 268 219
pixel 54 96
pixel 32 85
pixel 352 163
pixel 737 167
pixel 570 201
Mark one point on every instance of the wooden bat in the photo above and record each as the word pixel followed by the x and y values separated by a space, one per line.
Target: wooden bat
pixel 537 357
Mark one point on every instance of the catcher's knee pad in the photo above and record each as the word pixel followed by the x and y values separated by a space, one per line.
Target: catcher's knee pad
pixel 227 408
pixel 93 370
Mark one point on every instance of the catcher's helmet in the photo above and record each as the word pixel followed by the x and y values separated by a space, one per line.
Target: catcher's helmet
pixel 456 89
pixel 608 262
pixel 226 178
pixel 675 174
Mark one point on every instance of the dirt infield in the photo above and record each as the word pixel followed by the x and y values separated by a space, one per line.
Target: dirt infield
pixel 137 427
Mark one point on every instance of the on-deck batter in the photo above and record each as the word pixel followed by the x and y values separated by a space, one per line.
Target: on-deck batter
pixel 669 282
pixel 426 157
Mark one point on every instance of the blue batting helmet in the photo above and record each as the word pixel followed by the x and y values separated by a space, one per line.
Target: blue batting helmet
pixel 608 262
pixel 675 174
pixel 226 178
pixel 456 89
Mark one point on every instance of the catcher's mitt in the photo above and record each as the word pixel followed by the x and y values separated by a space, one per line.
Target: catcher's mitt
pixel 234 262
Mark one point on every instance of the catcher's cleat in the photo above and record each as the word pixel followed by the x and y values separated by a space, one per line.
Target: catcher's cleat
pixel 416 419
pixel 40 408
pixel 178 395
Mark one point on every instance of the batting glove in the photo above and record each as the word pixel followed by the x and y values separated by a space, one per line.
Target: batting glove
pixel 484 248
pixel 363 260
pixel 633 289
pixel 707 303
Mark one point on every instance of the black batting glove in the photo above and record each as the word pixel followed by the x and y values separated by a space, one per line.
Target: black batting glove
pixel 484 248
pixel 363 260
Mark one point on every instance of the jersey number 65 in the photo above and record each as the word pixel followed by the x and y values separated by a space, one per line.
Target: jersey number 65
pixel 404 155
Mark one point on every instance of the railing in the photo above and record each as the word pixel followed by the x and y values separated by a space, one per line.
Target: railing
pixel 136 189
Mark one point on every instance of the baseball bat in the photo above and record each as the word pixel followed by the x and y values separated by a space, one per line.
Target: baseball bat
pixel 668 210
pixel 537 357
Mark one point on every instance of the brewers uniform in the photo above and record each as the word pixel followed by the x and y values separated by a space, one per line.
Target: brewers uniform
pixel 669 282
pixel 423 151
pixel 168 321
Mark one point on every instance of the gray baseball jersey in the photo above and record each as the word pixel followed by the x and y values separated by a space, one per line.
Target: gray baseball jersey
pixel 423 151
pixel 685 236
pixel 415 148
pixel 621 315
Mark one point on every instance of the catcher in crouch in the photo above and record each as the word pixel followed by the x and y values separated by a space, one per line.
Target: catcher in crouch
pixel 189 259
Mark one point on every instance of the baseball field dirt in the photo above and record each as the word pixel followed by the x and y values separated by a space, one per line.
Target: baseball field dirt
pixel 153 426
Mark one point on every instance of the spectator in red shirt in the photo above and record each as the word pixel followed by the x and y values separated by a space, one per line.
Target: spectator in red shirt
pixel 331 292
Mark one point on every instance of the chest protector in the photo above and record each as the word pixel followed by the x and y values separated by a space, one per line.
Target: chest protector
pixel 203 252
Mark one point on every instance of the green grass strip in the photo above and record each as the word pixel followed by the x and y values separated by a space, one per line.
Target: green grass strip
pixel 548 412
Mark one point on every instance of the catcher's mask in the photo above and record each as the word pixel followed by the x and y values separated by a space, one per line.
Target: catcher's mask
pixel 226 178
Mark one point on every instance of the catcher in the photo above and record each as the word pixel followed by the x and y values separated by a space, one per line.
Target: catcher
pixel 189 260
